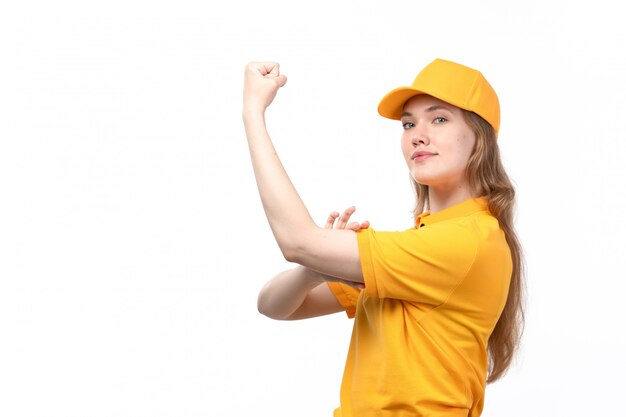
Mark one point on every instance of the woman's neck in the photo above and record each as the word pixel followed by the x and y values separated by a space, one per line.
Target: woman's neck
pixel 440 198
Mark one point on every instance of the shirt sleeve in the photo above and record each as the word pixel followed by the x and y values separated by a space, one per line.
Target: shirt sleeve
pixel 420 265
pixel 346 295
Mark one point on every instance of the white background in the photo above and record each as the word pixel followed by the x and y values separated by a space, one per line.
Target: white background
pixel 133 242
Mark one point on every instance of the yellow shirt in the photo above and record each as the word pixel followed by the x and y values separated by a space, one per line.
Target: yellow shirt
pixel 432 297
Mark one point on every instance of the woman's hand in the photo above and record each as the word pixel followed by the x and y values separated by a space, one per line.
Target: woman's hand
pixel 261 83
pixel 343 221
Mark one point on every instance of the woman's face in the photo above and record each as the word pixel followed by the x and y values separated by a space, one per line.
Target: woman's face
pixel 436 142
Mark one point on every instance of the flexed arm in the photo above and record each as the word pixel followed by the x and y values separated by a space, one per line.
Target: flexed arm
pixel 300 293
pixel 330 251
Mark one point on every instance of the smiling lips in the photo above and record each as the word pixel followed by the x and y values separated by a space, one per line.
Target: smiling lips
pixel 421 155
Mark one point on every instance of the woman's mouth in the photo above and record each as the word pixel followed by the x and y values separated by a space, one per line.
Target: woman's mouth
pixel 422 155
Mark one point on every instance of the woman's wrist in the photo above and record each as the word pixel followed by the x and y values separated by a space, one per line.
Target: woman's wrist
pixel 252 112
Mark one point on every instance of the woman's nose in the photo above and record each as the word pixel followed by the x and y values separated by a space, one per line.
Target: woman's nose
pixel 420 136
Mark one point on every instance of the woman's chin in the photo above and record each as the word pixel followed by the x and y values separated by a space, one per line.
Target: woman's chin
pixel 423 180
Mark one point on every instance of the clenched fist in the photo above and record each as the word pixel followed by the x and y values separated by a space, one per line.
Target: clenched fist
pixel 261 82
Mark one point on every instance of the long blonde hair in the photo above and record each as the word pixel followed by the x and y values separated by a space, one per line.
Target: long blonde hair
pixel 488 178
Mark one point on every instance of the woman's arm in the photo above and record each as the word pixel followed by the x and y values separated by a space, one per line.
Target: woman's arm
pixel 295 294
pixel 332 252
pixel 302 293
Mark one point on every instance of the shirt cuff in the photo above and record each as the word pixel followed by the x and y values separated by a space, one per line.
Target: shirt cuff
pixel 346 296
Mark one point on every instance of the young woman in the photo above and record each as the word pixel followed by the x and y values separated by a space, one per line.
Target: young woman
pixel 437 307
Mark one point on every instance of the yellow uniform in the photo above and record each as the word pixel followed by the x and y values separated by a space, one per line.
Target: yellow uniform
pixel 432 297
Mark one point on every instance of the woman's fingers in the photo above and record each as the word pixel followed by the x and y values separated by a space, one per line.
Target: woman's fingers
pixel 335 221
pixel 345 217
pixel 358 226
pixel 261 83
pixel 353 226
pixel 343 221
pixel 331 220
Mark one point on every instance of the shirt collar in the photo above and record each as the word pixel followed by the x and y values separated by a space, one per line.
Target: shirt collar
pixel 467 207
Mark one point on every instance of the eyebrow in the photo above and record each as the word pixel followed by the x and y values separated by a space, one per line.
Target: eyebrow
pixel 429 110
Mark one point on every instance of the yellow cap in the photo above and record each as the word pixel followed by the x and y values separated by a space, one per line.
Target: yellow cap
pixel 453 83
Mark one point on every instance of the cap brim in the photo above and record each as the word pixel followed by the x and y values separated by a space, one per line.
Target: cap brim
pixel 392 104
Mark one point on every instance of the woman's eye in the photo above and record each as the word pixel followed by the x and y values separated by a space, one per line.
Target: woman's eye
pixel 439 120
pixel 407 125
